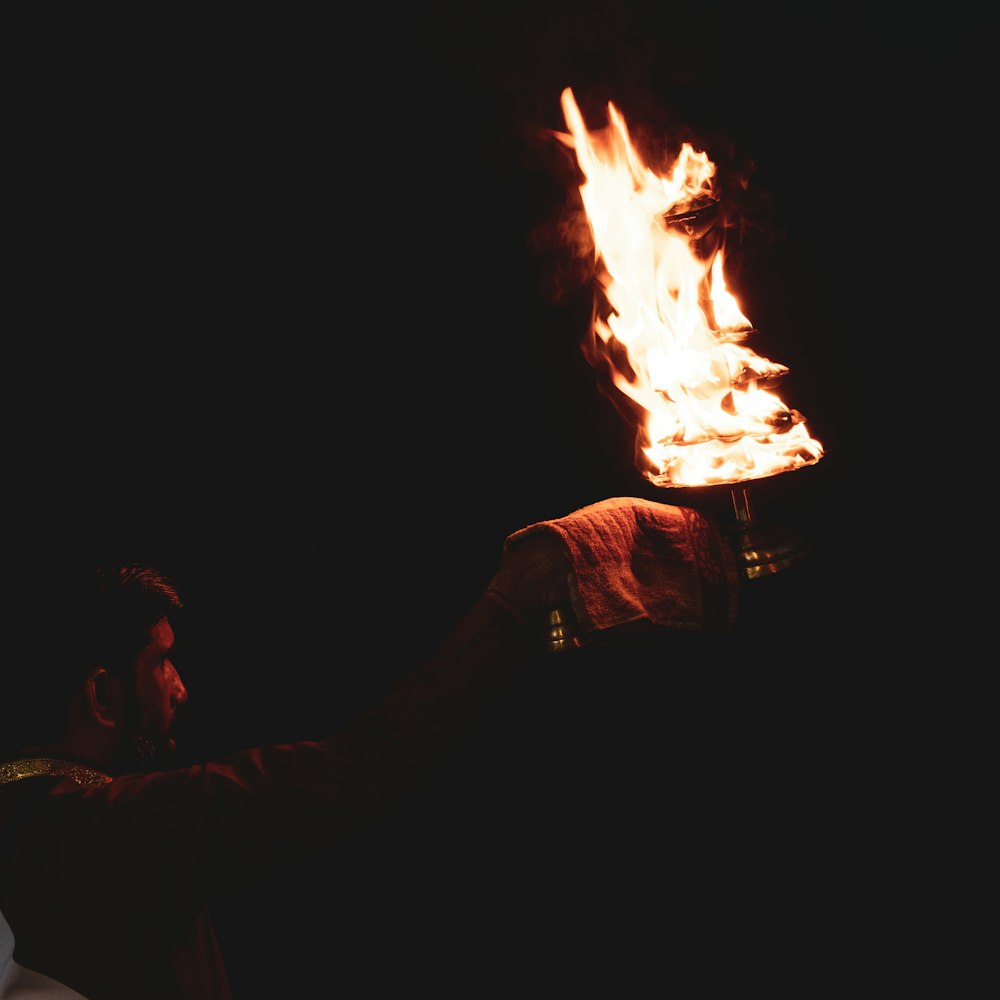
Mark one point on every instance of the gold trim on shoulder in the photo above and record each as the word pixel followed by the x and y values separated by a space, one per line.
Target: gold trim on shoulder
pixel 35 767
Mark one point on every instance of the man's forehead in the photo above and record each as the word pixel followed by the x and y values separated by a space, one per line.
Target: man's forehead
pixel 161 634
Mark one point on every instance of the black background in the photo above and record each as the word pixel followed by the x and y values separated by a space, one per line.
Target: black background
pixel 296 329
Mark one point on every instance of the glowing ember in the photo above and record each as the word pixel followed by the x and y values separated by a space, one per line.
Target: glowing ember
pixel 672 337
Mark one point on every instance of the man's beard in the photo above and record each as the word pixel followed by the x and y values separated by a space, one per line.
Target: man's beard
pixel 145 748
pixel 151 752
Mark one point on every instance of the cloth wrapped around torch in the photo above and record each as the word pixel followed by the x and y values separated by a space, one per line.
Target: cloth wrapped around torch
pixel 640 563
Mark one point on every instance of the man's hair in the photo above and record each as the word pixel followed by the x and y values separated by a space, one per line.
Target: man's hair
pixel 70 620
pixel 127 600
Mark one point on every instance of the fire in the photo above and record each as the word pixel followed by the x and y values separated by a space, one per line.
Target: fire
pixel 673 336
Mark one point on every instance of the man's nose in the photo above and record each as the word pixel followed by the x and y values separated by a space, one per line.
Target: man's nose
pixel 178 692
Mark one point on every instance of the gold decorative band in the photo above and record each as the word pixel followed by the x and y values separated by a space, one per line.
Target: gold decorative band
pixel 34 767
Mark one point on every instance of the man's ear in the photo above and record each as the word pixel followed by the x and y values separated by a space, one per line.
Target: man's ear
pixel 104 696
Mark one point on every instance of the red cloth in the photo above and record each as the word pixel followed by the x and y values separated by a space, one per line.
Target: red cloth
pixel 637 560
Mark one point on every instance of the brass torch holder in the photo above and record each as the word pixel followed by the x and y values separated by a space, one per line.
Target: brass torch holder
pixel 762 548
pixel 561 631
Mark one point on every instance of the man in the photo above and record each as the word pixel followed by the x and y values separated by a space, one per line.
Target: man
pixel 107 856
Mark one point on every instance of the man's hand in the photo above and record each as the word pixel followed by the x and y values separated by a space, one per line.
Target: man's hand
pixel 534 575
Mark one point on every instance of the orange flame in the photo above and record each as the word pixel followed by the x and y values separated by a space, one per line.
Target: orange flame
pixel 672 339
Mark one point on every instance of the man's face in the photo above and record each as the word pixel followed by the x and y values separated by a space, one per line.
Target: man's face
pixel 158 693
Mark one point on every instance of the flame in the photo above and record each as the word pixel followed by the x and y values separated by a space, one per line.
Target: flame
pixel 672 339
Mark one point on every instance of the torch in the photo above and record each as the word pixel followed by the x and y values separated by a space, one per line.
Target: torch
pixel 672 344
